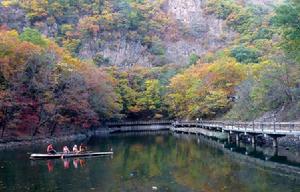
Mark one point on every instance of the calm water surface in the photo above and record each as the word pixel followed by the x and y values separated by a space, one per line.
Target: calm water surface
pixel 139 163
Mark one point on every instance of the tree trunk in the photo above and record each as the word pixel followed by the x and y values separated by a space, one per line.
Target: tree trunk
pixel 3 129
pixel 53 129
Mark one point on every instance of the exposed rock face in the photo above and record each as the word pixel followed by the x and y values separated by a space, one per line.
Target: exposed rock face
pixel 264 2
pixel 120 52
pixel 202 32
pixel 186 11
pixel 196 33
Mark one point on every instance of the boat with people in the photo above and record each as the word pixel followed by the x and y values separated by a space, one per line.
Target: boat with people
pixel 36 156
pixel 66 153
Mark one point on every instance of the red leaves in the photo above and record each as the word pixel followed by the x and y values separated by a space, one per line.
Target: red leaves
pixel 48 91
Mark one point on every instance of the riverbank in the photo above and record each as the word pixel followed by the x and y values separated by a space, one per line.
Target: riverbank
pixel 44 140
pixel 288 142
pixel 200 131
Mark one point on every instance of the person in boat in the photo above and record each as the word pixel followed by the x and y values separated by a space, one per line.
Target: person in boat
pixel 50 149
pixel 66 149
pixel 75 149
pixel 82 148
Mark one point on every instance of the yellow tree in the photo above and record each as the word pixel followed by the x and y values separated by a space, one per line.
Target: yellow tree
pixel 205 89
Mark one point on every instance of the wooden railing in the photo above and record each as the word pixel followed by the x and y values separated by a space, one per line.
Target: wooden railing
pixel 128 123
pixel 250 127
pixel 257 127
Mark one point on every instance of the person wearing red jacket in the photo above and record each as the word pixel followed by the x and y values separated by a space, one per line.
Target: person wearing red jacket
pixel 50 149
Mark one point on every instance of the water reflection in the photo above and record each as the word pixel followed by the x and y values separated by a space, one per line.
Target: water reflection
pixel 75 163
pixel 51 164
pixel 145 162
pixel 66 163
pixel 280 155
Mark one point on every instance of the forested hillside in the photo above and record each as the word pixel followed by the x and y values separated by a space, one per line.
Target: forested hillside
pixel 257 73
pixel 72 64
pixel 123 32
pixel 44 89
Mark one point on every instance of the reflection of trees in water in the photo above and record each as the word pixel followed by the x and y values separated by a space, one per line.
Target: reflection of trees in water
pixel 204 169
pixel 201 167
pixel 140 162
pixel 160 159
pixel 143 163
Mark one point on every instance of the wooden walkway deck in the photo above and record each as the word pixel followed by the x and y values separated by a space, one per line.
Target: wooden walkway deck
pixel 269 128
pixel 136 123
pixel 252 129
pixel 132 126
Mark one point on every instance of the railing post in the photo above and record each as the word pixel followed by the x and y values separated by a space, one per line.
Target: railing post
pixel 291 127
pixel 253 125
pixel 274 126
pixel 201 123
pixel 279 126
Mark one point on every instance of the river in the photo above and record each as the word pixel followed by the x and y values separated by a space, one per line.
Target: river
pixel 141 162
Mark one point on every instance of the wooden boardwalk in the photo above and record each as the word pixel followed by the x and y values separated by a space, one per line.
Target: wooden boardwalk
pixel 132 126
pixel 270 128
pixel 252 129
pixel 136 123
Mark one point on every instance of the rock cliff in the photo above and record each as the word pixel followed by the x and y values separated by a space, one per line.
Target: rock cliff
pixel 200 32
pixel 193 32
pixel 196 33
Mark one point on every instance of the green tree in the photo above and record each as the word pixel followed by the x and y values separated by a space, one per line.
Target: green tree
pixel 193 59
pixel 33 36
pixel 288 19
pixel 128 96
pixel 100 60
pixel 245 55
pixel 151 98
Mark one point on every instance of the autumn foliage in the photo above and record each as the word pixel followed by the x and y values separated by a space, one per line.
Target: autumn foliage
pixel 206 89
pixel 45 91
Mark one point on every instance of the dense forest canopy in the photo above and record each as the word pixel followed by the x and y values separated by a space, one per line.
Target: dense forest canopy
pixel 52 82
pixel 79 24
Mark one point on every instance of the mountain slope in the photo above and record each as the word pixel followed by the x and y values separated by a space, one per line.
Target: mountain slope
pixel 123 33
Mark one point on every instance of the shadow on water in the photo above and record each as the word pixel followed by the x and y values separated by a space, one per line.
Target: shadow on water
pixel 278 155
pixel 268 158
pixel 161 161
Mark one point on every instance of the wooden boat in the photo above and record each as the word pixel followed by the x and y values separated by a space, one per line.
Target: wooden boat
pixel 68 155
